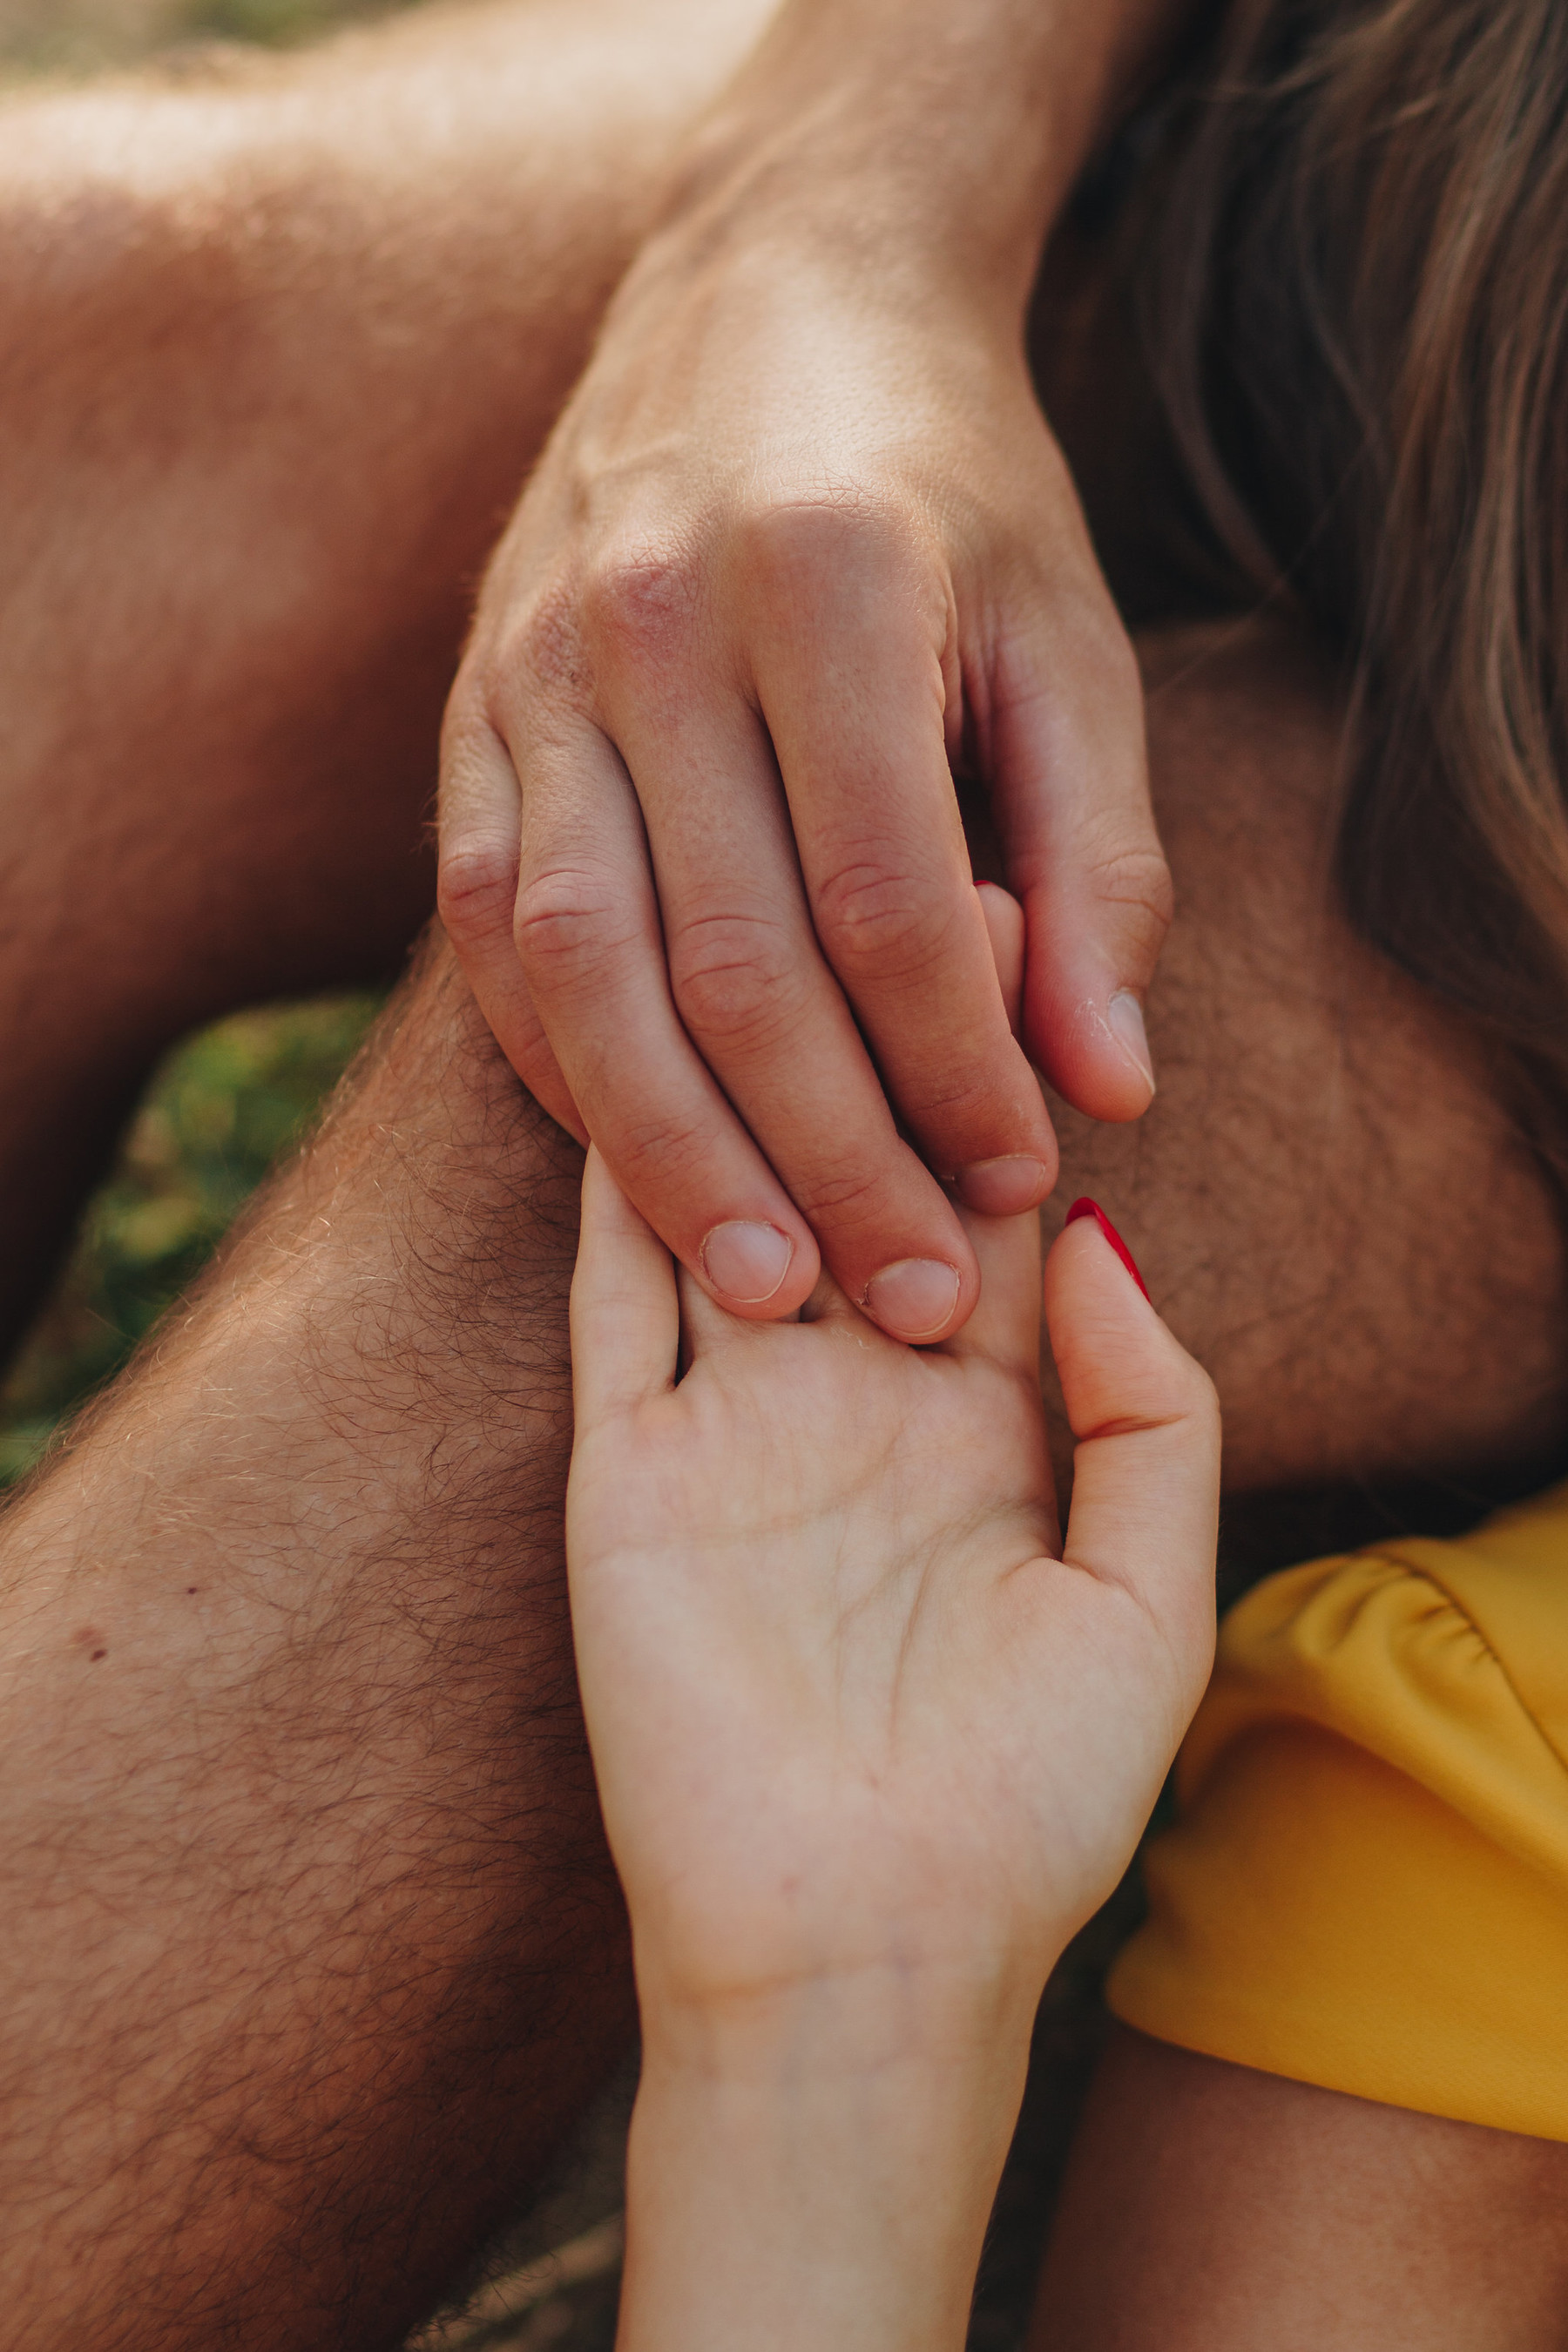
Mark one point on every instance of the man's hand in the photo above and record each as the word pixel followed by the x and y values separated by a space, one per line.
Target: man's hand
pixel 801 545
pixel 871 1742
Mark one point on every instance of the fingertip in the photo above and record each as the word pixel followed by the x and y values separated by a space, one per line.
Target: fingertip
pixel 605 1208
pixel 1124 1022
pixel 623 1310
pixel 1008 1186
pixel 1005 1323
pixel 554 1096
pixel 757 1269
pixel 517 1031
pixel 1009 1182
pixel 1098 1318
pixel 1093 1285
pixel 1084 1207
pixel 1086 981
pixel 915 1299
pixel 1006 928
pixel 706 1322
pixel 1094 1049
pixel 1118 1363
pixel 923 1301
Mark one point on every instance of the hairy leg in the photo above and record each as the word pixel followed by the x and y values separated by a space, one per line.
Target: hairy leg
pixel 1326 1180
pixel 279 345
pixel 310 1946
pixel 243 494
pixel 1323 1187
pixel 1211 2209
pixel 312 1942
pixel 279 340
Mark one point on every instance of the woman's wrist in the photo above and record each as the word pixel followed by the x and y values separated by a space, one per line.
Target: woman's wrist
pixel 926 1997
pixel 817 2166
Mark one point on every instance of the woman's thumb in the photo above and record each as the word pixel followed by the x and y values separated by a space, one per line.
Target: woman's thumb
pixel 1146 1500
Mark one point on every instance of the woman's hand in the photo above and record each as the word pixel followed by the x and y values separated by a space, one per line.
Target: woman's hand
pixel 801 543
pixel 848 1692
pixel 871 1741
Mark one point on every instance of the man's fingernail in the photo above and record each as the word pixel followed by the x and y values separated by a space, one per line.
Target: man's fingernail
pixel 1088 1208
pixel 913 1299
pixel 746 1260
pixel 1124 1018
pixel 1004 1187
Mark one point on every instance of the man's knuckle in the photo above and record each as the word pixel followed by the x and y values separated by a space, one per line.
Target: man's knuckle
pixel 476 884
pixel 567 926
pixel 1137 882
pixel 730 975
pixel 640 602
pixel 839 533
pixel 658 1151
pixel 543 649
pixel 527 652
pixel 849 1198
pixel 879 922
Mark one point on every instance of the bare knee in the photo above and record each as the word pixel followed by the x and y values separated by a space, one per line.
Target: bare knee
pixel 1213 2207
pixel 1332 1207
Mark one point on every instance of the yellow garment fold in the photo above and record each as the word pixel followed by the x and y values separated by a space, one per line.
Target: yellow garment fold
pixel 1367 1886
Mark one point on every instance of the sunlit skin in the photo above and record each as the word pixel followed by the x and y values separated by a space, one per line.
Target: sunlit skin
pixel 873 1737
pixel 802 536
pixel 233 608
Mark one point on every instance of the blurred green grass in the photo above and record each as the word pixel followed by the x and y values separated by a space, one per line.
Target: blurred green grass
pixel 219 1111
pixel 77 36
pixel 275 23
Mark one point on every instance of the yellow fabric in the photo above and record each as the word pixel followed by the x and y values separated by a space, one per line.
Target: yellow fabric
pixel 1367 1885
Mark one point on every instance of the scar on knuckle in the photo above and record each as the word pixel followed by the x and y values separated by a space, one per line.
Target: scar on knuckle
pixel 641 602
pixel 536 650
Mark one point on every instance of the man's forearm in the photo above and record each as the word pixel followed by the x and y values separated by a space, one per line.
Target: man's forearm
pixel 278 342
pixel 924 131
pixel 309 318
pixel 311 1941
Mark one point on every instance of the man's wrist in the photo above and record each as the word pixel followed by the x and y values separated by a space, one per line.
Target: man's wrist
pixel 949 134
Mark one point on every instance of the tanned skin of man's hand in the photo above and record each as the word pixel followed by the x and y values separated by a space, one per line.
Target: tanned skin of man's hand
pixel 801 543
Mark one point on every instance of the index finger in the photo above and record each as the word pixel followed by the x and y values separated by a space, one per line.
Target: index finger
pixel 845 627
pixel 625 1318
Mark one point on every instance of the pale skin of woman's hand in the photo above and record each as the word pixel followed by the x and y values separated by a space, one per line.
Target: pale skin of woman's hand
pixel 871 1743
pixel 802 543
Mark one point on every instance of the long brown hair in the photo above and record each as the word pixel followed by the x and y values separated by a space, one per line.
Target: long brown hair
pixel 1355 262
